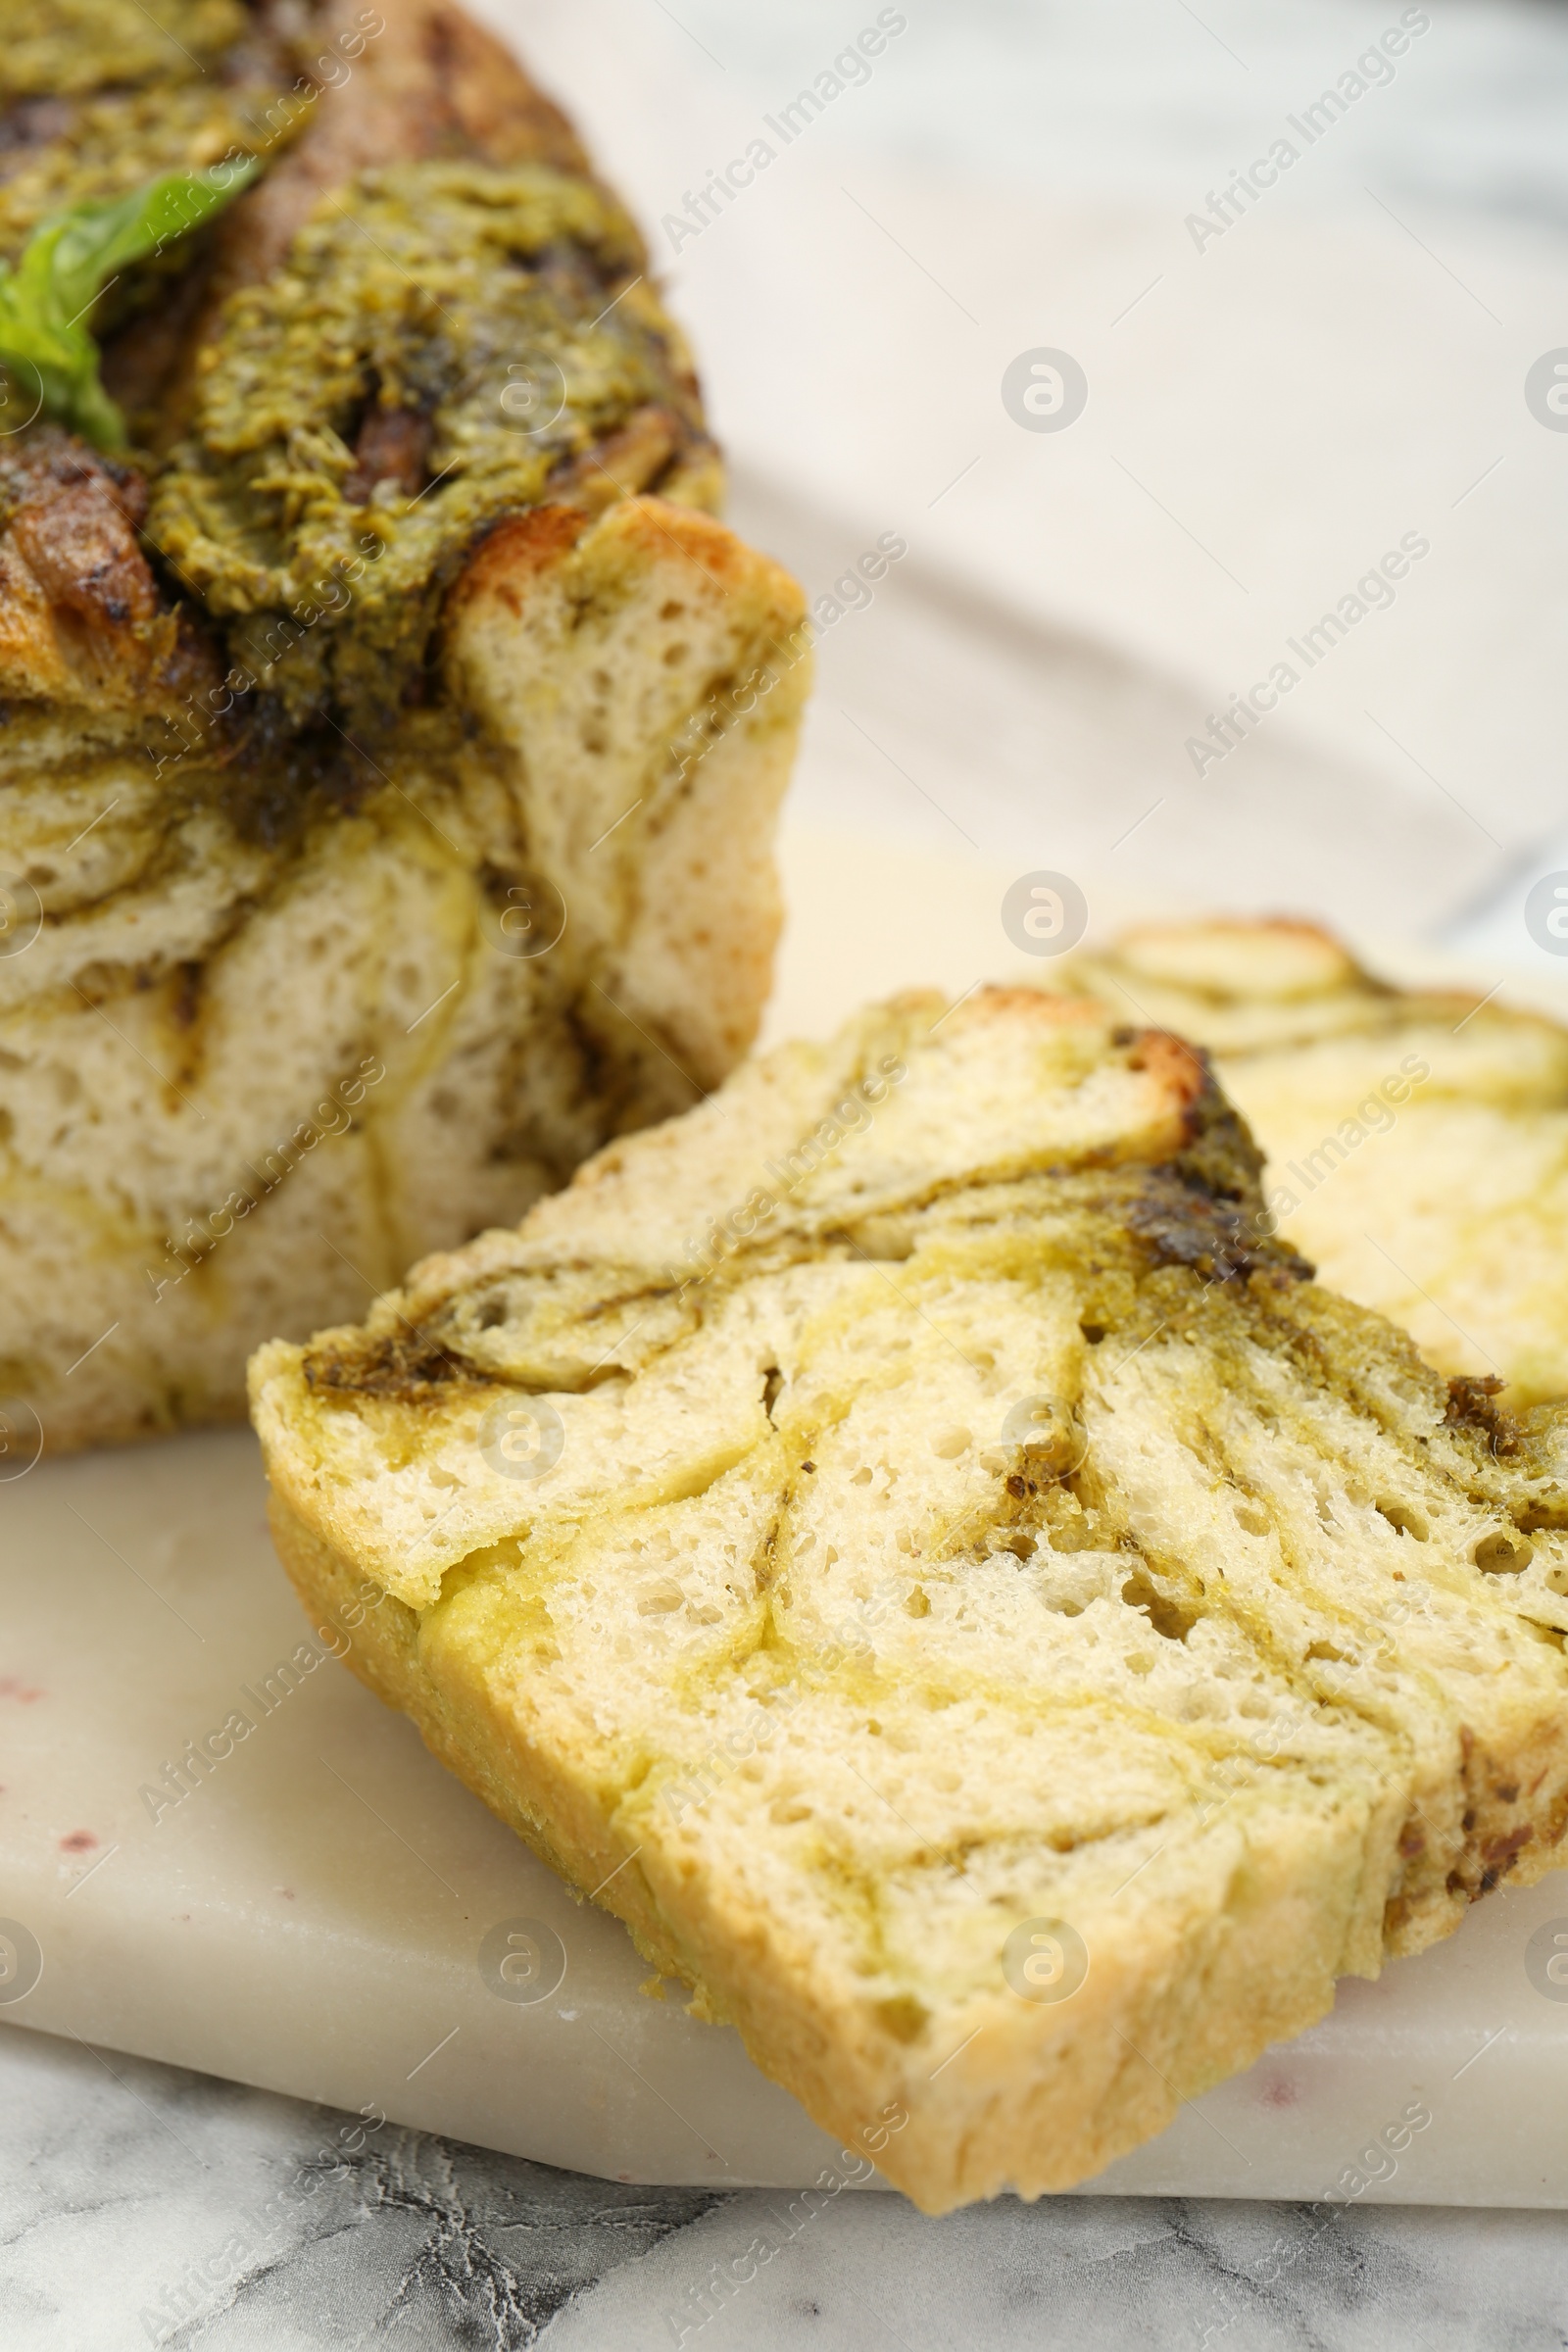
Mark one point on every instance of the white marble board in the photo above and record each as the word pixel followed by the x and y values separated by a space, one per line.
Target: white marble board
pixel 326 1913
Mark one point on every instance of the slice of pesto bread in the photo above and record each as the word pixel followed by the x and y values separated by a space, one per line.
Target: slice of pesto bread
pixel 988 1624
pixel 1417 1140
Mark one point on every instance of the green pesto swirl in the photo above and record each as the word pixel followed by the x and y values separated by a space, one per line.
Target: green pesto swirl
pixel 99 98
pixel 61 48
pixel 500 317
pixel 117 140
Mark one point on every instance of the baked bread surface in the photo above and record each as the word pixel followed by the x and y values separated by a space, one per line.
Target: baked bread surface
pixel 247 1079
pixel 310 965
pixel 988 1622
pixel 1416 1138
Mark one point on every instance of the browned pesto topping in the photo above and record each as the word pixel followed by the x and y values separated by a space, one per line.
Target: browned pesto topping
pixel 98 97
pixel 87 150
pixel 446 342
pixel 58 49
pixel 101 99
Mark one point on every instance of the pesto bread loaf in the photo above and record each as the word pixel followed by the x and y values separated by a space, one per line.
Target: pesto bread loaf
pixel 1416 1141
pixel 988 1624
pixel 390 739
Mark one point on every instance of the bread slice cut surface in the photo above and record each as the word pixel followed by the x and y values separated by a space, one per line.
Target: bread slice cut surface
pixel 1416 1138
pixel 998 1631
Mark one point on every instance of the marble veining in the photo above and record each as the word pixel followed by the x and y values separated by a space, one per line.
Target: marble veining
pixel 142 2205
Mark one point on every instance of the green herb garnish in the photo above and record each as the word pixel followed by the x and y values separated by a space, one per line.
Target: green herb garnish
pixel 70 259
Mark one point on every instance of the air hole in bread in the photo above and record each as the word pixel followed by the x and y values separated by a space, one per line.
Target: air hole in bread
pixel 1169 1619
pixel 905 2017
pixel 1505 1554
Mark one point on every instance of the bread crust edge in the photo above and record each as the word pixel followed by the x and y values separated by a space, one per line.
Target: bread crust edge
pixel 1039 2099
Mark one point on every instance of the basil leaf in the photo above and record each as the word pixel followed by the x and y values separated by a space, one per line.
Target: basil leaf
pixel 46 346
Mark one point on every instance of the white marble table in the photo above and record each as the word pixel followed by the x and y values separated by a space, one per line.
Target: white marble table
pixel 122 2183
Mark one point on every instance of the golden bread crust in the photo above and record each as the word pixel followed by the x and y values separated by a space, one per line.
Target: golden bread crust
pixel 81 619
